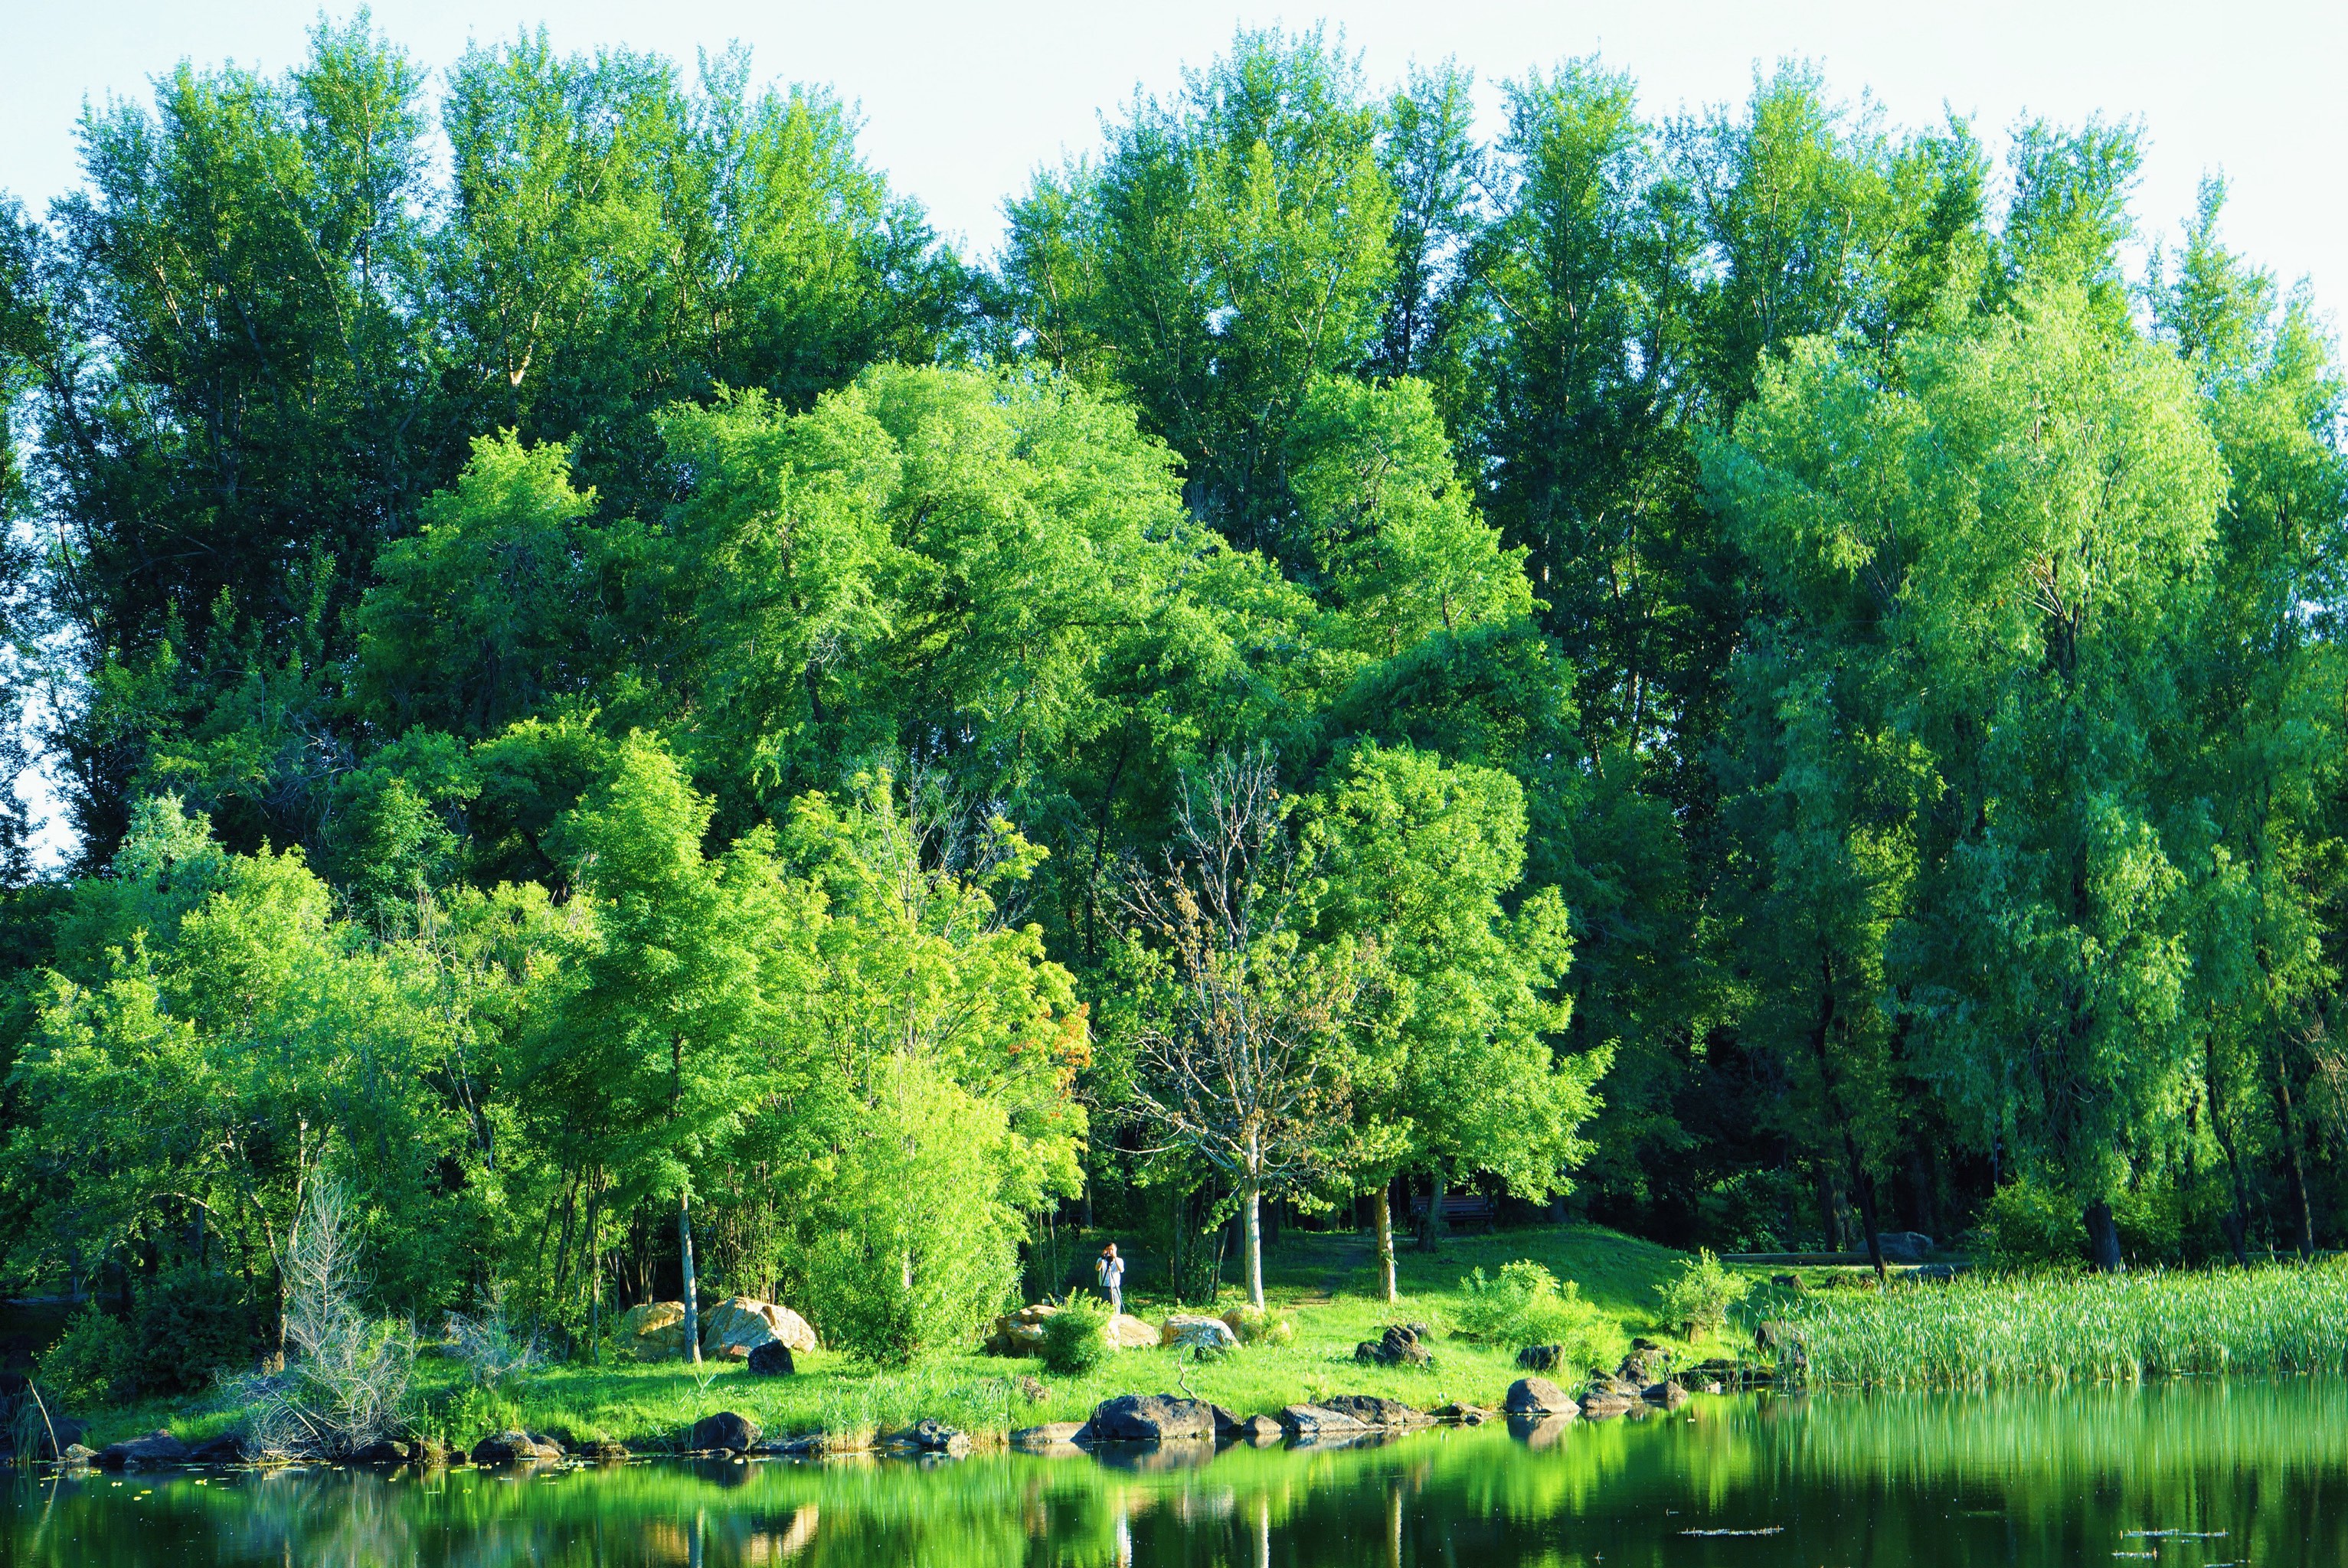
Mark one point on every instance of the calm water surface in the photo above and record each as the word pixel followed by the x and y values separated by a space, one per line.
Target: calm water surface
pixel 2195 1475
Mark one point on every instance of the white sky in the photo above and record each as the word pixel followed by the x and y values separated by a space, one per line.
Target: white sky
pixel 961 101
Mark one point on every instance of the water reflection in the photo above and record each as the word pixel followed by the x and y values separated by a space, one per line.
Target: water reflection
pixel 2195 1474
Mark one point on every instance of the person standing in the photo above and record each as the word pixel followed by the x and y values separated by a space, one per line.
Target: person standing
pixel 1109 1269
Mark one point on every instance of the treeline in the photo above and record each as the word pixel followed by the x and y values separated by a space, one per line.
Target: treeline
pixel 622 698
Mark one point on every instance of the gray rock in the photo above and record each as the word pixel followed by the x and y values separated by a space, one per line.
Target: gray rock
pixel 1372 1410
pixel 1648 1362
pixel 930 1437
pixel 725 1430
pixel 1050 1435
pixel 771 1359
pixel 1540 1357
pixel 1308 1423
pixel 158 1447
pixel 1666 1395
pixel 1904 1247
pixel 1260 1430
pixel 1536 1396
pixel 514 1448
pixel 1462 1415
pixel 78 1455
pixel 1191 1331
pixel 1398 1345
pixel 1604 1404
pixel 1151 1417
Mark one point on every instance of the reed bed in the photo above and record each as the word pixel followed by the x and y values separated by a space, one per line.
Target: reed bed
pixel 1979 1331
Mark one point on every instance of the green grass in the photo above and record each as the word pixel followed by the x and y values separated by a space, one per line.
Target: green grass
pixel 1979 1331
pixel 1323 1282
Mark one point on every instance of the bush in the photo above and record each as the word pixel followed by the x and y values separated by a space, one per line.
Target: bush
pixel 346 1383
pixel 90 1363
pixel 2031 1226
pixel 493 1351
pixel 187 1328
pixel 1259 1326
pixel 1075 1337
pixel 1698 1300
pixel 1527 1304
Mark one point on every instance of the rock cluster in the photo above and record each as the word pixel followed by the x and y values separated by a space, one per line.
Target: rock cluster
pixel 730 1331
pixel 1398 1346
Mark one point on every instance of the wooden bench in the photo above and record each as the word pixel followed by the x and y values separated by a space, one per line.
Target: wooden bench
pixel 1459 1206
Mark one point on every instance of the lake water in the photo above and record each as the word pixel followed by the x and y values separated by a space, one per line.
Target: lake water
pixel 2194 1475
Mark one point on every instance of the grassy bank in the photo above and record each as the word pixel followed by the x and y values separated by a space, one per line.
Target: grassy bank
pixel 1979 1331
pixel 1322 1282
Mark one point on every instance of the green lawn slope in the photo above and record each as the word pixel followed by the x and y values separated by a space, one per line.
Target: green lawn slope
pixel 1323 1282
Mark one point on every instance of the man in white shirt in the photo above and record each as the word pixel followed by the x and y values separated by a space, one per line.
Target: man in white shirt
pixel 1109 1269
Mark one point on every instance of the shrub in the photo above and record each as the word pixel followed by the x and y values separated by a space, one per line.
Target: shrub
pixel 1075 1337
pixel 1260 1326
pixel 1699 1298
pixel 90 1363
pixel 494 1353
pixel 188 1326
pixel 346 1383
pixel 1527 1304
pixel 2031 1226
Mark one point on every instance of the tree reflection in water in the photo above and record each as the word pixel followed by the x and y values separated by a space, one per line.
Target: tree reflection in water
pixel 2062 1476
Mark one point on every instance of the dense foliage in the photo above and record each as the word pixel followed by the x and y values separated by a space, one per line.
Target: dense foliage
pixel 632 708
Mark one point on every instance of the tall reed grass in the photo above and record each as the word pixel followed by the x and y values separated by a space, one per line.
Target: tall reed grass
pixel 1978 1330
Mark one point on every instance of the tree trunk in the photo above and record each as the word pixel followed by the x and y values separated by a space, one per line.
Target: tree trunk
pixel 1863 1186
pixel 1382 1211
pixel 685 1253
pixel 2104 1237
pixel 2301 1213
pixel 2237 1226
pixel 1430 1230
pixel 1252 1220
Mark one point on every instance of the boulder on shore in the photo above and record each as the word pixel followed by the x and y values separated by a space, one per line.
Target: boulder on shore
pixel 929 1437
pixel 1020 1333
pixel 654 1330
pixel 1151 1417
pixel 1258 1430
pixel 1376 1410
pixel 158 1447
pixel 1456 1414
pixel 1536 1396
pixel 1049 1435
pixel 725 1430
pixel 1307 1423
pixel 383 1451
pixel 1666 1395
pixel 225 1448
pixel 1602 1404
pixel 740 1324
pixel 1192 1331
pixel 515 1448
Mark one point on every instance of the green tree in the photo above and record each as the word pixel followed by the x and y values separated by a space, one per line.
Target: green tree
pixel 1455 1066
